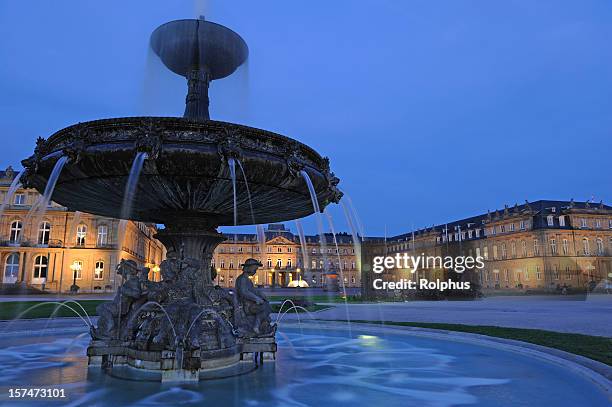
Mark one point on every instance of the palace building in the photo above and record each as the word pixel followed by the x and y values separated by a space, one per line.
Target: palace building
pixel 542 245
pixel 54 250
pixel 285 264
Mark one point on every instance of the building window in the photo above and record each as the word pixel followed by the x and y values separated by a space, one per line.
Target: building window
pixel 81 234
pixel 536 247
pixel 289 263
pixel 561 221
pixel 77 269
pixel 512 227
pixel 598 224
pixel 477 252
pixel 522 225
pixel 11 268
pixel 269 263
pixel 231 264
pixel 524 245
pixel 477 232
pixel 102 235
pixel 556 272
pixel 313 264
pixel 288 249
pixel 513 248
pixel 222 263
pixel 553 247
pixel 494 252
pixel 583 223
pixel 19 199
pixel 568 273
pixel 485 252
pixel 585 246
pixel 352 265
pixel 610 224
pixel 502 229
pixel 494 230
pixel 44 231
pixel 40 267
pixel 99 270
pixel 526 274
pixel 538 273
pixel 565 247
pixel 503 249
pixel 279 249
pixel 279 263
pixel 550 220
pixel 15 233
pixel 600 247
pixel 506 275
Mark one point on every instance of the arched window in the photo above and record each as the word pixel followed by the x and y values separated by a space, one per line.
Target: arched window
pixel 600 247
pixel 102 235
pixel 80 235
pixel 99 270
pixel 44 231
pixel 11 268
pixel 585 246
pixel 16 227
pixel 41 264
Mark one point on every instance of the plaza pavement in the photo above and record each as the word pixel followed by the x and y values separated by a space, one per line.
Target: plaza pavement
pixel 591 316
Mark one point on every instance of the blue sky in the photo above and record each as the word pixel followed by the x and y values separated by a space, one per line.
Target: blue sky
pixel 429 110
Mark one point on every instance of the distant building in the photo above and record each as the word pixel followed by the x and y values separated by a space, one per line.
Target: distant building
pixel 543 245
pixel 52 250
pixel 284 263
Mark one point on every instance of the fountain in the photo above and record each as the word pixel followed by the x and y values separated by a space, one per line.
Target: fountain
pixel 186 183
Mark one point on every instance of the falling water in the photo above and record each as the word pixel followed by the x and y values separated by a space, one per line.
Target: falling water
pixel 246 184
pixel 10 193
pixel 132 183
pixel 354 234
pixel 261 237
pixel 232 168
pixel 331 226
pixel 40 207
pixel 353 211
pixel 73 226
pixel 128 200
pixel 300 229
pixel 317 212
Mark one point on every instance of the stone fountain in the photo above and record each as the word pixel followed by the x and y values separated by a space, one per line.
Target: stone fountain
pixel 185 324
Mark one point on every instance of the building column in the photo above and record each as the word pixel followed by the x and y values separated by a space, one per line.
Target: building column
pixel 23 260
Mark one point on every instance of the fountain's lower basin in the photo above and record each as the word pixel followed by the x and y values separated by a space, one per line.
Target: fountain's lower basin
pixel 316 366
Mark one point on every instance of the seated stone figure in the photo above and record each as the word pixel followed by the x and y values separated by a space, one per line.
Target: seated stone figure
pixel 253 302
pixel 114 314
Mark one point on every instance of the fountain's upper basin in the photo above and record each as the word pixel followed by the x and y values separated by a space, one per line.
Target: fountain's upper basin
pixel 183 45
pixel 186 178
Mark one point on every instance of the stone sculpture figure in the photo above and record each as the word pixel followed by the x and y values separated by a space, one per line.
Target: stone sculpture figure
pixel 253 302
pixel 112 313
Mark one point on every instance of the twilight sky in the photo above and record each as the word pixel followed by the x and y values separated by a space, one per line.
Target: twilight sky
pixel 429 110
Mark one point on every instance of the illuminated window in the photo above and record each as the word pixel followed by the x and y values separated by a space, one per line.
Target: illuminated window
pixel 15 232
pixel 44 231
pixel 81 234
pixel 99 270
pixel 40 267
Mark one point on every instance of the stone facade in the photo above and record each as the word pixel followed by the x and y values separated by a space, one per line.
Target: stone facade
pixel 46 252
pixel 283 260
pixel 539 246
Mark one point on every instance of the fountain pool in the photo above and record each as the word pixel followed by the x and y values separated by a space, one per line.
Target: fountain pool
pixel 317 364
